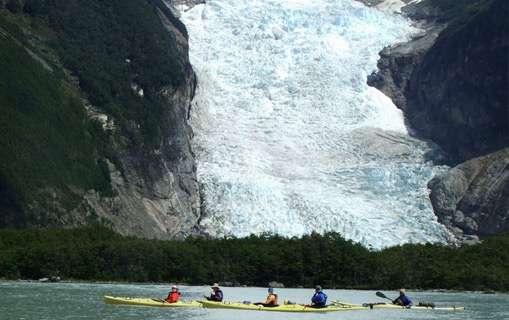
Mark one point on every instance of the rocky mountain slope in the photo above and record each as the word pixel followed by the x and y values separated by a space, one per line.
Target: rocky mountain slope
pixel 95 97
pixel 452 83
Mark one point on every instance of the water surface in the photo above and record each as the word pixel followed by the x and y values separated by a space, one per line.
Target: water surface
pixel 52 301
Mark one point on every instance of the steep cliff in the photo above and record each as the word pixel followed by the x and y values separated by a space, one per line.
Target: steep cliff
pixel 452 80
pixel 452 83
pixel 98 96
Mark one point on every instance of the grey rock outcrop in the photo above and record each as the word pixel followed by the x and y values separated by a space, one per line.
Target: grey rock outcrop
pixel 275 284
pixel 473 197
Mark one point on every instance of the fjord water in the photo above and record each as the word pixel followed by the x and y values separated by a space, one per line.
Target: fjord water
pixel 49 301
pixel 288 136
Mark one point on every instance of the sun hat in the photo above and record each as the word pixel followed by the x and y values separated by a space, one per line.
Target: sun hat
pixel 215 285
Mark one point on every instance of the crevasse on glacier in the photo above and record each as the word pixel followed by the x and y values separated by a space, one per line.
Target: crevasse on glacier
pixel 288 136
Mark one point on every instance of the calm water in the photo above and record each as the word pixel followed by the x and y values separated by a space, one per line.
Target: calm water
pixel 22 300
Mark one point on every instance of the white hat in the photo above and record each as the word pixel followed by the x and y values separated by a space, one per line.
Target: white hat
pixel 215 285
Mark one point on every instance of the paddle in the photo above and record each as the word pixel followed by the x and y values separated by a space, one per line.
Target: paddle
pixel 381 295
pixel 342 304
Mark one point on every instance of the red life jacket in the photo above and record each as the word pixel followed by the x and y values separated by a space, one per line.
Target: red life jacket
pixel 173 297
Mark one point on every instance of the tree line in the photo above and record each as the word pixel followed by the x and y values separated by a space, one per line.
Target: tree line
pixel 99 254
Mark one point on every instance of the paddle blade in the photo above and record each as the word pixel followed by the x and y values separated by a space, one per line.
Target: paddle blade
pixel 381 295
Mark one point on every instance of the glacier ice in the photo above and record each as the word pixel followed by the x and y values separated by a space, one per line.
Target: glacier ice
pixel 289 138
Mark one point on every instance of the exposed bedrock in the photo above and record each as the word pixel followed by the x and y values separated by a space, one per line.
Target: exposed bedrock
pixel 122 156
pixel 452 83
pixel 473 197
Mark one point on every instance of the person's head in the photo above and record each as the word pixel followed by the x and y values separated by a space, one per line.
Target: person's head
pixel 401 292
pixel 215 286
pixel 318 288
pixel 174 288
pixel 270 290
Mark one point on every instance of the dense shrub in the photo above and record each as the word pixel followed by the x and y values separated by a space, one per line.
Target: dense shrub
pixel 96 253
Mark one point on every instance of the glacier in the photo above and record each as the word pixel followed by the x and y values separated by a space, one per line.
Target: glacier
pixel 289 138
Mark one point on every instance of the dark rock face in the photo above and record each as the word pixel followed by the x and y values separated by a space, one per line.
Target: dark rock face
pixel 473 197
pixel 135 102
pixel 458 95
pixel 397 64
pixel 452 83
pixel 157 193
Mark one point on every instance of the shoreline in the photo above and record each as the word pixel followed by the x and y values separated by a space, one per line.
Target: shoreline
pixel 438 290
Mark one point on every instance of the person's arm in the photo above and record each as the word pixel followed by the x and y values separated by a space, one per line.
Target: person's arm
pixel 219 295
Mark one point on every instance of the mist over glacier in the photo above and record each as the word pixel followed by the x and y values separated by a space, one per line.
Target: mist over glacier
pixel 289 138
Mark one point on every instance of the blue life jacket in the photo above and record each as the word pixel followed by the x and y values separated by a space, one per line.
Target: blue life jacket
pixel 403 300
pixel 406 301
pixel 319 299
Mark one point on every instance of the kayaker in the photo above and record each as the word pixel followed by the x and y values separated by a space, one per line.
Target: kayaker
pixel 403 299
pixel 319 299
pixel 173 295
pixel 217 294
pixel 271 300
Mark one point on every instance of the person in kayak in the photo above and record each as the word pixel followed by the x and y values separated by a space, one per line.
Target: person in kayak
pixel 319 299
pixel 403 299
pixel 271 300
pixel 173 295
pixel 217 294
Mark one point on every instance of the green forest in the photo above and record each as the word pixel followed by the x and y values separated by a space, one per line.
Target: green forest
pixel 99 254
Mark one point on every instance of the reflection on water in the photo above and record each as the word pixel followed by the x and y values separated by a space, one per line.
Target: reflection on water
pixel 23 300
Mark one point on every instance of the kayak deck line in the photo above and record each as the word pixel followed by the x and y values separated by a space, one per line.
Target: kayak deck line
pixel 150 302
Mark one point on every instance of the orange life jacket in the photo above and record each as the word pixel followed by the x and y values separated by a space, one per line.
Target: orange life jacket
pixel 173 297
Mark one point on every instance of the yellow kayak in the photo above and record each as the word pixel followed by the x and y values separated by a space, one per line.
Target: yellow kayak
pixel 280 308
pixel 150 302
pixel 393 306
pixel 379 305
